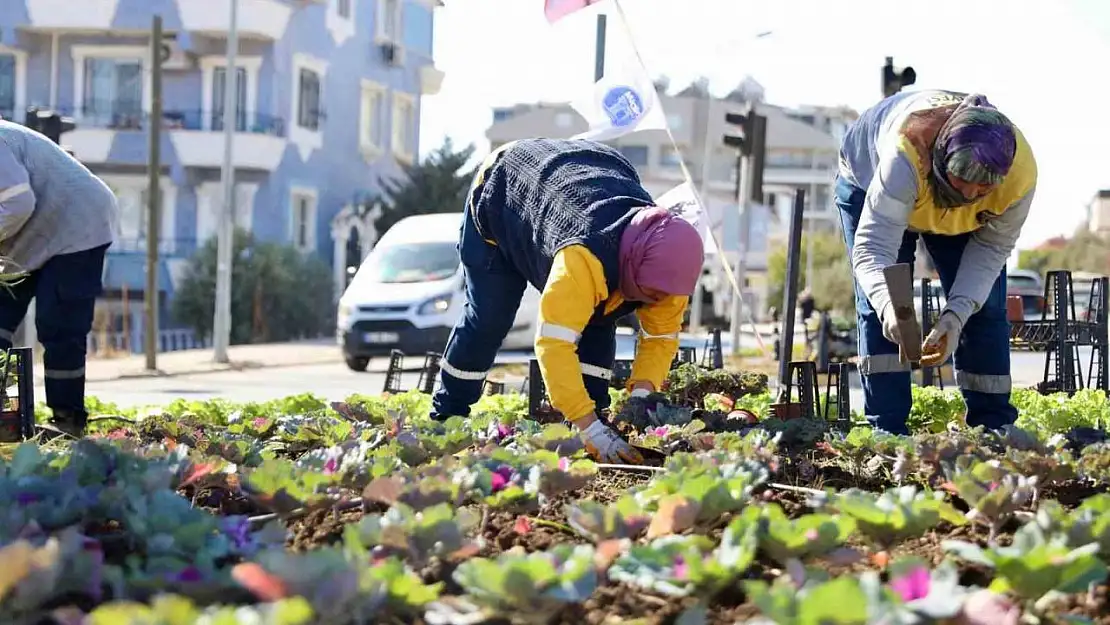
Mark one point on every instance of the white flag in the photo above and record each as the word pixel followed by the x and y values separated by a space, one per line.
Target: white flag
pixel 682 201
pixel 623 101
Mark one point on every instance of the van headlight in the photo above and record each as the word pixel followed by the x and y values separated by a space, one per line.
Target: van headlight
pixel 435 306
pixel 343 316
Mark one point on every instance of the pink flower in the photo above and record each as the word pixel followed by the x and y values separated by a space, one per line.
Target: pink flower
pixel 681 569
pixel 501 477
pixel 660 431
pixel 913 585
pixel 331 466
pixel 812 535
pixel 260 422
pixel 564 464
pixel 503 431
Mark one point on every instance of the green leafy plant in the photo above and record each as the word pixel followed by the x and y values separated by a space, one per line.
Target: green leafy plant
pixel 896 514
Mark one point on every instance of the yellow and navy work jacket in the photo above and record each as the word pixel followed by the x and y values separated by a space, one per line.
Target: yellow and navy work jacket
pixel 557 209
pixel 887 153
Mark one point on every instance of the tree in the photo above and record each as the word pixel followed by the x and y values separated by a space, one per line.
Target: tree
pixel 277 292
pixel 1085 251
pixel 832 286
pixel 438 184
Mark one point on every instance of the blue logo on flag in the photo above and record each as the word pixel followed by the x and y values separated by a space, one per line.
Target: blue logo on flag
pixel 624 106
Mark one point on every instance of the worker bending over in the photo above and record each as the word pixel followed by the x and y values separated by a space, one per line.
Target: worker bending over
pixel 953 169
pixel 57 220
pixel 571 218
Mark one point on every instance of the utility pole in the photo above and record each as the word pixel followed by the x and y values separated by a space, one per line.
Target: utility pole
pixel 751 144
pixel 154 197
pixel 221 321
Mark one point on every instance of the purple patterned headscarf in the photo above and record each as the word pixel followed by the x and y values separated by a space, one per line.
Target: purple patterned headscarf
pixel 976 144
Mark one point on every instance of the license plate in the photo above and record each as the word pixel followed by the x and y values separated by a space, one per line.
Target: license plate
pixel 381 337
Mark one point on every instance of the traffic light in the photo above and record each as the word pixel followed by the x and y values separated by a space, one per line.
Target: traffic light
pixel 751 142
pixel 894 81
pixel 746 122
pixel 49 123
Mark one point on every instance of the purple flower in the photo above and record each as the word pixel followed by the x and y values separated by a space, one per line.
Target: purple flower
pixel 501 477
pixel 187 575
pixel 238 531
pixel 913 585
pixel 504 431
pixel 24 499
pixel 331 465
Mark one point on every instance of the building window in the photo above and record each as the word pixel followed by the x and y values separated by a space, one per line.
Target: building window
pixel 112 93
pixel 219 83
pixel 404 126
pixel 7 86
pixel 389 20
pixel 373 123
pixel 636 154
pixel 343 8
pixel 308 100
pixel 303 220
pixel 670 157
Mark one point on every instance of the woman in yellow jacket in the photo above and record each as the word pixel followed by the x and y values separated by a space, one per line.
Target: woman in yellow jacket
pixel 571 218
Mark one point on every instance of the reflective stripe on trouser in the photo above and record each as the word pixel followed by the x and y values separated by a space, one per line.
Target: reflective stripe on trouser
pixel 493 293
pixel 982 358
pixel 596 351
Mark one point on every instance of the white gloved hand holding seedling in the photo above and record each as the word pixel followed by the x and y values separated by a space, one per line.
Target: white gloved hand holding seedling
pixel 605 445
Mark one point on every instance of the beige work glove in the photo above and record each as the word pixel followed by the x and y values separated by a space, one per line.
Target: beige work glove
pixel 605 445
pixel 942 340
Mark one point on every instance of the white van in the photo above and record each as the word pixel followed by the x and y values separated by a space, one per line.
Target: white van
pixel 409 292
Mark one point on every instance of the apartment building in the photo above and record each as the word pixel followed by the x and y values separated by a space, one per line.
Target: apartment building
pixel 328 98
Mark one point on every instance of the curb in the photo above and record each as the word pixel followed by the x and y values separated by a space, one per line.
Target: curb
pixel 210 368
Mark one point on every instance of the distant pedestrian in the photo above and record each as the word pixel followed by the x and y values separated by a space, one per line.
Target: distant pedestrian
pixel 57 220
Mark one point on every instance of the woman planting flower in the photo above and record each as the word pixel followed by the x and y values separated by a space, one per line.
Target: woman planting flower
pixel 572 219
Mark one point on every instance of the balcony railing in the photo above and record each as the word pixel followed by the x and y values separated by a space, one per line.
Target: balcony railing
pixel 126 116
pixel 104 343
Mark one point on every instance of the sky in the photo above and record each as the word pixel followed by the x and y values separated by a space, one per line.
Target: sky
pixel 1042 62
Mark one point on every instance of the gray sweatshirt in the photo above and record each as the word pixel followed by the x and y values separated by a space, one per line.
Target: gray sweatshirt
pixel 886 153
pixel 50 204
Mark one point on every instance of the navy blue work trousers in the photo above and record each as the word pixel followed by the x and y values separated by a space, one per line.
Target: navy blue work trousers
pixel 65 291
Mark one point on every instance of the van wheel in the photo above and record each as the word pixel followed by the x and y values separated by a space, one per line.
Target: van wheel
pixel 357 364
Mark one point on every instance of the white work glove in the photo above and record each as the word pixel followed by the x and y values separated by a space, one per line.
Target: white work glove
pixel 942 340
pixel 890 324
pixel 606 446
pixel 639 392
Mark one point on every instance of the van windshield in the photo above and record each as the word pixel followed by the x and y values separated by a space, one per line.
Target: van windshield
pixel 412 262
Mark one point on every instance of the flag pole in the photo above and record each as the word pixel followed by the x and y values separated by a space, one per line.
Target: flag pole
pixel 599 48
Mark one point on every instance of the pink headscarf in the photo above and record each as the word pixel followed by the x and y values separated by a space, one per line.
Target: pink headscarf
pixel 661 251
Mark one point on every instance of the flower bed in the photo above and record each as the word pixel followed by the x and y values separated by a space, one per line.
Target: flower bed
pixel 297 511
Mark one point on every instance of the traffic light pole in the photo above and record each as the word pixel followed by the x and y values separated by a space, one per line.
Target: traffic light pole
pixel 154 198
pixel 743 193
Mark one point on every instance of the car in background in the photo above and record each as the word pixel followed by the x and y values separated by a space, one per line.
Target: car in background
pixel 409 292
pixel 1029 286
pixel 1081 283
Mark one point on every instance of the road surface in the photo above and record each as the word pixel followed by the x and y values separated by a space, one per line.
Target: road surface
pixel 335 381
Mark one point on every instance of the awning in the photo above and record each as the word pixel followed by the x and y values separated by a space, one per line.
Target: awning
pixel 129 270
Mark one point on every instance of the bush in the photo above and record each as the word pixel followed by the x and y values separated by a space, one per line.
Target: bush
pixel 277 293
